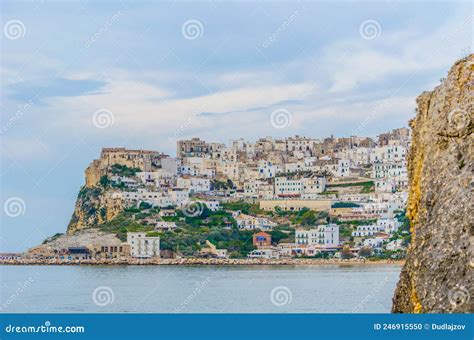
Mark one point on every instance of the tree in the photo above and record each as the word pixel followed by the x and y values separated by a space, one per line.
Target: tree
pixel 346 252
pixel 365 251
pixel 104 181
pixel 145 205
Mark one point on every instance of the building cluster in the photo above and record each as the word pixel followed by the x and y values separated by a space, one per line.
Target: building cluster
pixel 268 169
pixel 289 174
pixel 138 245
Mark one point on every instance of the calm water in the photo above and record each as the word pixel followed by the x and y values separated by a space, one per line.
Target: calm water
pixel 186 289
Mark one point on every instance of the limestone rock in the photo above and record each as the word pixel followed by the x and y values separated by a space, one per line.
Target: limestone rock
pixel 94 206
pixel 437 276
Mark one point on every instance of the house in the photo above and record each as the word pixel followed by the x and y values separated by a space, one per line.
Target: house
pixel 309 250
pixel 264 254
pixel 194 184
pixel 326 236
pixel 374 243
pixel 367 230
pixel 165 225
pixel 211 249
pixel 111 251
pixel 78 253
pixel 178 196
pixel 395 245
pixel 262 240
pixel 213 205
pixel 167 212
pixel 390 225
pixel 285 249
pixel 125 181
pixel 249 222
pixel 267 170
pixel 143 246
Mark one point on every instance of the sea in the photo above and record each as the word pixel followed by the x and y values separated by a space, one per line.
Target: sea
pixel 351 288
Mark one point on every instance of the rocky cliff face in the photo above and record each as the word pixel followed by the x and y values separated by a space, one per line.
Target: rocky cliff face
pixel 94 206
pixel 97 201
pixel 437 276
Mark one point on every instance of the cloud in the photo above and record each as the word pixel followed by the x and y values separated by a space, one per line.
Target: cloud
pixel 143 106
pixel 353 63
pixel 56 87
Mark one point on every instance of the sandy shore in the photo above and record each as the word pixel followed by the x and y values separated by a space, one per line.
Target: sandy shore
pixel 202 262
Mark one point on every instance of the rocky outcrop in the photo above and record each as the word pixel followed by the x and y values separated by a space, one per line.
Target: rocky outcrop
pixel 94 206
pixel 97 202
pixel 437 276
pixel 94 172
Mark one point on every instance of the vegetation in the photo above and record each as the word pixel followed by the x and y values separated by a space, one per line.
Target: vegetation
pixel 307 217
pixel 346 252
pixel 206 217
pixel 52 238
pixel 345 231
pixel 365 252
pixel 104 181
pixel 279 235
pixel 356 222
pixel 193 231
pixel 351 184
pixel 89 192
pixel 144 205
pixel 123 170
pixel 187 240
pixel 220 185
pixel 345 205
pixel 122 224
pixel 244 207
pixel 368 186
pixel 404 230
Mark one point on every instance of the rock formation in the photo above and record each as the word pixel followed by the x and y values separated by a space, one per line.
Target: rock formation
pixel 437 276
pixel 98 202
pixel 94 206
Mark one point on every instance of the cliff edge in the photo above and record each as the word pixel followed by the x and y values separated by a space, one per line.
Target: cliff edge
pixel 437 276
pixel 99 200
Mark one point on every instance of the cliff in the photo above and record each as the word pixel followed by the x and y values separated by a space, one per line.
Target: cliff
pixel 437 276
pixel 98 202
pixel 94 206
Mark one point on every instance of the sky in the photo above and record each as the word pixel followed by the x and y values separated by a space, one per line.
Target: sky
pixel 81 75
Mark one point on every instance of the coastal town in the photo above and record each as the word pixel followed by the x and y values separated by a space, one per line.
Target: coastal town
pixel 273 199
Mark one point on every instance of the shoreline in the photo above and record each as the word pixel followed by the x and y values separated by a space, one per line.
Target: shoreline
pixel 197 262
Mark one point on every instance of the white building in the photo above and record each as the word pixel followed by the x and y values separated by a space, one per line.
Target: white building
pixel 313 185
pixel 267 170
pixel 389 225
pixel 165 225
pixel 374 243
pixel 390 175
pixel 143 246
pixel 249 222
pixel 343 168
pixel 178 196
pixel 264 254
pixel 286 186
pixel 323 235
pixel 211 205
pixel 395 245
pixel 194 184
pixel 127 181
pixel 367 230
